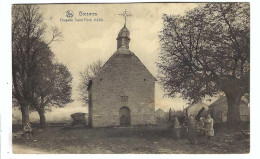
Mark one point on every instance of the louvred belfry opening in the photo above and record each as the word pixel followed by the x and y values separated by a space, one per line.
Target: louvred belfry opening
pixel 123 38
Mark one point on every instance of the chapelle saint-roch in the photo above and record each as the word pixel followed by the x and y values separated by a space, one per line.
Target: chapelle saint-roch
pixel 83 14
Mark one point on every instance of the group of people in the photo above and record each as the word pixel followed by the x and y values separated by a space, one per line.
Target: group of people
pixel 203 127
pixel 192 128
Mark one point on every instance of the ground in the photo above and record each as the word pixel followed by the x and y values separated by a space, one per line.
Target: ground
pixel 120 140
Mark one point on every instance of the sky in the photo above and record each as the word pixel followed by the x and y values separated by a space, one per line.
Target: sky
pixel 85 42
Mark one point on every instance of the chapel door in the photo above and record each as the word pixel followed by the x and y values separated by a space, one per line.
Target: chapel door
pixel 124 114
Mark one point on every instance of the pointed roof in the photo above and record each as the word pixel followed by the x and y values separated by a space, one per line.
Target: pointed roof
pixel 124 33
pixel 160 110
pixel 223 101
pixel 219 101
pixel 122 52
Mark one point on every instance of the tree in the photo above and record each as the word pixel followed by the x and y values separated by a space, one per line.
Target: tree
pixel 28 31
pixel 205 52
pixel 89 73
pixel 53 88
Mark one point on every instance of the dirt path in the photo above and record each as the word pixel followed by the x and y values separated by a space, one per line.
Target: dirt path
pixel 19 149
pixel 137 140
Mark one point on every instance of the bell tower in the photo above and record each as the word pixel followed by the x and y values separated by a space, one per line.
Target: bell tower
pixel 123 37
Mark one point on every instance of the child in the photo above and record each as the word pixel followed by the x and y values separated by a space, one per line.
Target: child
pixel 27 130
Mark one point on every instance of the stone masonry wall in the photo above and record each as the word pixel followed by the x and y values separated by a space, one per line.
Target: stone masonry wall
pixel 123 75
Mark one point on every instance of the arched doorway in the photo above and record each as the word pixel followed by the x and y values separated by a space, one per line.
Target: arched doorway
pixel 124 115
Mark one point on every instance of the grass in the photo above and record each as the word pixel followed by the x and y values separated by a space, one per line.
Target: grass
pixel 121 140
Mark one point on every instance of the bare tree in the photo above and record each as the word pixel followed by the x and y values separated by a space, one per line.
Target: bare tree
pixel 207 51
pixel 89 73
pixel 28 32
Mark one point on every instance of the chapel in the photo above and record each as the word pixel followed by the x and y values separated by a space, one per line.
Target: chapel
pixel 123 92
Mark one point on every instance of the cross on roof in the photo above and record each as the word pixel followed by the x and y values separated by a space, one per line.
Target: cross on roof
pixel 126 15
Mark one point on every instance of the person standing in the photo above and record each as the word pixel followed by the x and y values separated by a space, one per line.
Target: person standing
pixel 201 126
pixel 176 126
pixel 170 114
pixel 192 130
pixel 209 123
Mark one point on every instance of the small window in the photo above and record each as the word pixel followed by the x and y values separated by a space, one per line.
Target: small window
pixel 124 98
pixel 144 79
pixel 101 79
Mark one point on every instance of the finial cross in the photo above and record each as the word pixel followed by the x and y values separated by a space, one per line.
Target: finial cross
pixel 126 15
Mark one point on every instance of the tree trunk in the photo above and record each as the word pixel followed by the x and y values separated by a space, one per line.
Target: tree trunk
pixel 233 115
pixel 233 92
pixel 42 116
pixel 25 114
pixel 90 111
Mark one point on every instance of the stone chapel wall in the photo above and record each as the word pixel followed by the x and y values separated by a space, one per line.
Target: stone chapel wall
pixel 124 82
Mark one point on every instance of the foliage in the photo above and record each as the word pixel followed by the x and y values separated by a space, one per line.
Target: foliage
pixel 206 51
pixel 88 74
pixel 54 85
pixel 203 48
pixel 31 56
